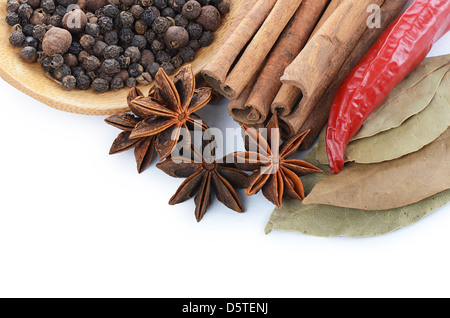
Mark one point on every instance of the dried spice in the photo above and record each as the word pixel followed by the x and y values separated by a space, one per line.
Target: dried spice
pixel 153 30
pixel 205 176
pixel 143 147
pixel 273 172
pixel 173 104
pixel 390 184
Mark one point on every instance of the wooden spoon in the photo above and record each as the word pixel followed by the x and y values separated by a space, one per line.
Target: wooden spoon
pixel 30 78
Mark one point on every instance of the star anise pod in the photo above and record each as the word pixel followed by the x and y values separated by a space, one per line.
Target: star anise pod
pixel 273 172
pixel 173 104
pixel 205 176
pixel 143 146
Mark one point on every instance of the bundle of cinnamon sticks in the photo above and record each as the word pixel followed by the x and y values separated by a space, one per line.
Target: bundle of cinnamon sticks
pixel 290 56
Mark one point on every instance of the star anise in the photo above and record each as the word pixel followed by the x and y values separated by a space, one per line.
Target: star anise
pixel 205 175
pixel 276 175
pixel 143 147
pixel 173 104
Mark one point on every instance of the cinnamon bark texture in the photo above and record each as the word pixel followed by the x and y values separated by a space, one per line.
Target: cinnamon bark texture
pixel 217 69
pixel 319 116
pixel 334 4
pixel 322 58
pixel 259 47
pixel 256 108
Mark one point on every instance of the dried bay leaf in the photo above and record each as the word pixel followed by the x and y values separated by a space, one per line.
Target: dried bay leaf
pixel 331 221
pixel 408 98
pixel 416 132
pixel 390 184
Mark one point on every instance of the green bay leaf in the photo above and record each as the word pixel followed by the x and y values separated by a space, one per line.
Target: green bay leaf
pixel 332 221
pixel 411 136
pixel 408 98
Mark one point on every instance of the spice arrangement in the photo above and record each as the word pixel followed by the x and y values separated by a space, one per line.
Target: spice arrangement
pixel 302 70
pixel 105 45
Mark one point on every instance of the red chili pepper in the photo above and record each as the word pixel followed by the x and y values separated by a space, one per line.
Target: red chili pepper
pixel 398 51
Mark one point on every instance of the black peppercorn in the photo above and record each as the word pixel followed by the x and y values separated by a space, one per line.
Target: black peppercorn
pixel 124 61
pixel 17 38
pixel 70 60
pixel 39 31
pixel 181 20
pixel 31 41
pixel 62 71
pixel 223 7
pixel 91 63
pixel 99 48
pixel 177 5
pixel 111 10
pixel 117 83
pixel 149 15
pixel 87 41
pixel 106 24
pixel 69 82
pixel 194 30
pixel 57 61
pixel 82 55
pixel 83 82
pixel 100 85
pixel 66 3
pixel 140 27
pixel 160 25
pixel 150 36
pixel 162 56
pixel 29 54
pixel 55 20
pixel 168 68
pixel 12 6
pixel 49 6
pixel 187 54
pixel 194 44
pixel 157 45
pixel 133 53
pixel 126 35
pixel 46 64
pixel 168 12
pixel 176 61
pixel 206 39
pixel 38 17
pixel 160 4
pixel 153 68
pixel 25 11
pixel 112 52
pixel 131 82
pixel 191 10
pixel 136 11
pixel 135 69
pixel 144 79
pixel 12 18
pixel 203 2
pixel 78 71
pixel 60 10
pixel 92 29
pixel 147 57
pixel 75 48
pixel 111 38
pixel 28 30
pixel 126 18
pixel 139 41
pixel 110 67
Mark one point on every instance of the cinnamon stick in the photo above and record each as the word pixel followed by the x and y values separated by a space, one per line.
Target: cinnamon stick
pixel 259 47
pixel 319 116
pixel 326 15
pixel 216 71
pixel 323 56
pixel 293 38
pixel 239 103
pixel 289 95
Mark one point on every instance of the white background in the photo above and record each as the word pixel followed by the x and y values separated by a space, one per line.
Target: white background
pixel 76 222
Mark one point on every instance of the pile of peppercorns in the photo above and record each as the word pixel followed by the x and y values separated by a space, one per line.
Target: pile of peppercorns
pixel 109 44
